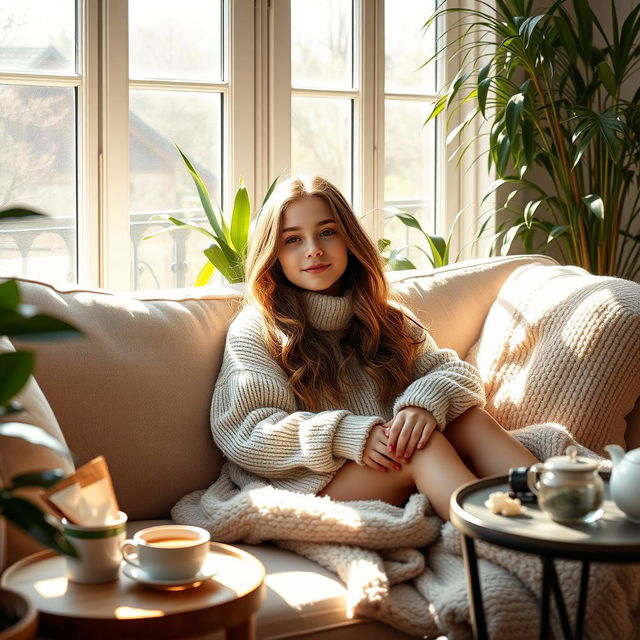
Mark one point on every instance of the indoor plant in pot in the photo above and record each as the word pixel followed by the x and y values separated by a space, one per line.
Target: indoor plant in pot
pixel 551 89
pixel 228 247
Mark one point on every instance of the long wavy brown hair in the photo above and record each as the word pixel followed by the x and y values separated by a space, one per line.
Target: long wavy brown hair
pixel 377 335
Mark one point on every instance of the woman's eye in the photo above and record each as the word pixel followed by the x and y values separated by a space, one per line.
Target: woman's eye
pixel 291 239
pixel 327 232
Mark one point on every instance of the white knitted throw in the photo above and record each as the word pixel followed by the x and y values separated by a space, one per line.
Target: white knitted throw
pixel 404 566
pixel 561 345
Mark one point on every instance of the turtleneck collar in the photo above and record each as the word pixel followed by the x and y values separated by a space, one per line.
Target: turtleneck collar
pixel 328 313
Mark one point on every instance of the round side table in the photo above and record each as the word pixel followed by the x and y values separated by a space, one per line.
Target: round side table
pixel 612 538
pixel 127 609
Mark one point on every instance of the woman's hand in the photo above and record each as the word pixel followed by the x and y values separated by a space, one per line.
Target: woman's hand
pixel 376 453
pixel 411 428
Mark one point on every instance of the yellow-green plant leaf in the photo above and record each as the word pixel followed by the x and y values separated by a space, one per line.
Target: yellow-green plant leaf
pixel 240 219
pixel 204 275
pixel 203 193
pixel 233 272
pixel 181 225
pixel 269 192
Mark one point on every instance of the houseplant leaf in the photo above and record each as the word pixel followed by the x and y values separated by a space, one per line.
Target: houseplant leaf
pixel 203 193
pixel 28 517
pixel 204 275
pixel 9 295
pixel 34 435
pixel 15 369
pixel 42 479
pixel 240 219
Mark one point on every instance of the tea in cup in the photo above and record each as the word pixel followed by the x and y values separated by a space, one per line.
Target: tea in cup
pixel 168 552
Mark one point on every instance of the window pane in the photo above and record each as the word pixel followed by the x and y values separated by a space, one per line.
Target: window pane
pixel 410 168
pixel 37 35
pixel 160 182
pixel 408 47
pixel 175 40
pixel 38 169
pixel 321 139
pixel 322 43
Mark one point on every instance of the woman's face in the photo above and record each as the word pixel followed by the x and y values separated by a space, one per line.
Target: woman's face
pixel 312 253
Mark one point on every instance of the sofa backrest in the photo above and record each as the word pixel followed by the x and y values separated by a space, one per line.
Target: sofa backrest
pixel 137 386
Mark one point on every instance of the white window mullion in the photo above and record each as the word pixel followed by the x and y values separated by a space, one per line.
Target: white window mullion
pixel 372 115
pixel 88 145
pixel 463 182
pixel 114 149
pixel 243 104
pixel 279 106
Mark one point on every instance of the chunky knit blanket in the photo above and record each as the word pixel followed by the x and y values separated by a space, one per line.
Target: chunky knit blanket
pixel 404 565
pixel 561 345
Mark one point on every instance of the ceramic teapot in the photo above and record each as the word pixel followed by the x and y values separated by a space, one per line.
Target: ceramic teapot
pixel 568 487
pixel 625 480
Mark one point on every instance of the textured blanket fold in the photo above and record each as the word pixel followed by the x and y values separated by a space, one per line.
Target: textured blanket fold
pixel 404 566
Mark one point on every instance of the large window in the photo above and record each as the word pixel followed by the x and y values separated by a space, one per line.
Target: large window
pixel 39 102
pixel 95 96
pixel 177 96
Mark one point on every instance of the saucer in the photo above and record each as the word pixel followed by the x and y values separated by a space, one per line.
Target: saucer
pixel 137 574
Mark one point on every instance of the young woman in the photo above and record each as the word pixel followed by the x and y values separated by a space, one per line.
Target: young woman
pixel 328 386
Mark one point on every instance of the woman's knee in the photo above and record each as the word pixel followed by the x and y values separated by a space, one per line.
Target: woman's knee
pixel 434 447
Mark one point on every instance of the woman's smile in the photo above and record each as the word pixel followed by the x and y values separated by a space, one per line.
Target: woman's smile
pixel 317 268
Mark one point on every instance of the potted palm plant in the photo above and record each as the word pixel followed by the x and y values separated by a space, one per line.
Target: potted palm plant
pixel 551 90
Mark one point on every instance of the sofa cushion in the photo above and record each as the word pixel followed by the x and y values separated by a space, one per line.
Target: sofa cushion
pixel 18 456
pixel 137 386
pixel 562 345
pixel 453 301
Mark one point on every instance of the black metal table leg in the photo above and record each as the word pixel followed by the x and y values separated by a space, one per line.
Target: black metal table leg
pixel 545 598
pixel 475 594
pixel 582 599
pixel 562 607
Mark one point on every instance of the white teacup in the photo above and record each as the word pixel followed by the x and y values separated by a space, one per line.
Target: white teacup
pixel 98 549
pixel 168 552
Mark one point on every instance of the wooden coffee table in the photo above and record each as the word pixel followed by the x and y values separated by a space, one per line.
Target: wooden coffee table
pixel 127 609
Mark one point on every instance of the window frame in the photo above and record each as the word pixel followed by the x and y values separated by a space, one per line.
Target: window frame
pixel 256 126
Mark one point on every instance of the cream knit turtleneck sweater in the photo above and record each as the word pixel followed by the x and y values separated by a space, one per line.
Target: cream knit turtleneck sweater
pixel 262 429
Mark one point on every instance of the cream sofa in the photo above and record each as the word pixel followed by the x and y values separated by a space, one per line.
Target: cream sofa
pixel 137 388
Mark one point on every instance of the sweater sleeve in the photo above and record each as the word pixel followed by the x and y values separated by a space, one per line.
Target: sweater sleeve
pixel 256 421
pixel 445 385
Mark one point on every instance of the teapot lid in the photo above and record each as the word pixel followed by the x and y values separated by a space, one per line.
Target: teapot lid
pixel 572 462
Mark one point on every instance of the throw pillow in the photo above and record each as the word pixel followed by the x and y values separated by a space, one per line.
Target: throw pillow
pixel 562 345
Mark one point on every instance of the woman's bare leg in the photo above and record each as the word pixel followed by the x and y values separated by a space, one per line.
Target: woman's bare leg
pixel 436 471
pixel 484 445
